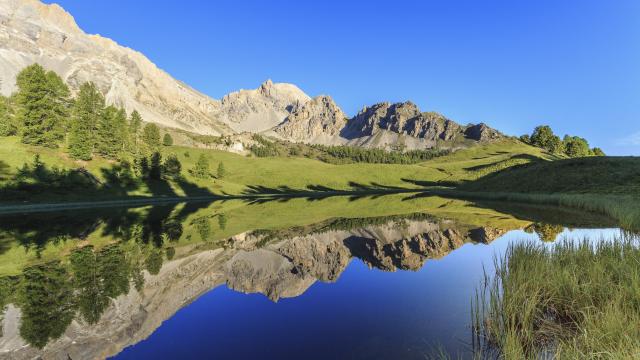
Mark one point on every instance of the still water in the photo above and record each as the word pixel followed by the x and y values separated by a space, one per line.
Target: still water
pixel 382 277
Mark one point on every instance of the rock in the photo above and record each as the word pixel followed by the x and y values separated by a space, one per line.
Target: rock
pixel 318 118
pixel 481 132
pixel 33 32
pixel 260 109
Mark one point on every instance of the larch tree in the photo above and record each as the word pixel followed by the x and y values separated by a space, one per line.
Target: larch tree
pixel 167 140
pixel 135 124
pixel 42 101
pixel 151 136
pixel 88 111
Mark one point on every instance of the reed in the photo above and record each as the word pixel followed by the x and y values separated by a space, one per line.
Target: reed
pixel 573 300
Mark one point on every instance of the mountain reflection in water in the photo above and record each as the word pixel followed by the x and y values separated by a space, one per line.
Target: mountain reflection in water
pixel 88 284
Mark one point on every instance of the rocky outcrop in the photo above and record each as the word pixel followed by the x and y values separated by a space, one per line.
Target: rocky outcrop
pixel 33 32
pixel 403 126
pixel 400 126
pixel 317 121
pixel 481 132
pixel 261 109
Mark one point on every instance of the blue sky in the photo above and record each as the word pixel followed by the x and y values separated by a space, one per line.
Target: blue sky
pixel 572 64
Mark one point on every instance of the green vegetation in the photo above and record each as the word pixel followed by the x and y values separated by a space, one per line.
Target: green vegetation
pixel 571 146
pixel 594 175
pixel 167 140
pixel 607 185
pixel 151 136
pixel 576 301
pixel 340 154
pixel 221 170
pixel 42 106
pixel 87 113
pixel 201 170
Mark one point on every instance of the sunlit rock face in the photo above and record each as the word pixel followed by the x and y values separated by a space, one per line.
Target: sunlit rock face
pixel 33 32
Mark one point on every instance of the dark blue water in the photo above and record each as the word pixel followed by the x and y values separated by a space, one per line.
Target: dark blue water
pixel 365 314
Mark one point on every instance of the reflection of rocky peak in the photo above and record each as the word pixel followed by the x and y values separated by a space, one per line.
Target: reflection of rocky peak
pixel 289 266
pixel 265 272
pixel 407 253
pixel 286 267
pixel 130 319
pixel 485 234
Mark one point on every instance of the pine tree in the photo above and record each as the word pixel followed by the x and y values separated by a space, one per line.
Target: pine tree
pixel 202 167
pixel 88 110
pixel 172 167
pixel 221 171
pixel 42 101
pixel 8 125
pixel 122 130
pixel 108 141
pixel 167 140
pixel 155 170
pixel 135 123
pixel 151 136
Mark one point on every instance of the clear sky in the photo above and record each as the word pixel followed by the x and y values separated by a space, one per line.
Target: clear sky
pixel 572 64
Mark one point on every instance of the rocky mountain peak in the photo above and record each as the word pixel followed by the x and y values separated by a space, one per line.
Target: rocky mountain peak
pixel 261 109
pixel 315 119
pixel 34 11
pixel 265 87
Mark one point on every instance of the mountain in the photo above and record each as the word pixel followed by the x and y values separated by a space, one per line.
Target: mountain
pixel 383 125
pixel 31 32
pixel 261 109
pixel 317 121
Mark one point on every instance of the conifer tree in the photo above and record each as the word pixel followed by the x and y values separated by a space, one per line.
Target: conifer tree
pixel 221 170
pixel 42 101
pixel 201 169
pixel 167 140
pixel 108 141
pixel 151 136
pixel 135 123
pixel 8 125
pixel 88 110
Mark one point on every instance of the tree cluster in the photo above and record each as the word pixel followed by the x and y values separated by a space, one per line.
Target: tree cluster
pixel 43 113
pixel 571 146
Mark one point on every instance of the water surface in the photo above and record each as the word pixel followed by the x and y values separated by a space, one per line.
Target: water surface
pixel 380 277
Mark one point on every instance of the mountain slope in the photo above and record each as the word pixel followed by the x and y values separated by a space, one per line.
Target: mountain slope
pixel 31 32
pixel 399 126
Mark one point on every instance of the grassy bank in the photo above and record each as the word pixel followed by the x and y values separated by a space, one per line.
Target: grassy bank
pixel 607 185
pixel 572 301
pixel 248 174
pixel 622 208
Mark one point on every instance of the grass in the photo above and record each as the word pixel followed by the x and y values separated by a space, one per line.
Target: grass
pixel 571 300
pixel 240 218
pixel 607 185
pixel 289 172
pixel 593 175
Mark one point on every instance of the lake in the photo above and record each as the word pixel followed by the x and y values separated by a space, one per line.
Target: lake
pixel 361 277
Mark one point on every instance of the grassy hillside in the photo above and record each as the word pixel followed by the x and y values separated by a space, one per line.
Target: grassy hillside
pixel 594 175
pixel 292 172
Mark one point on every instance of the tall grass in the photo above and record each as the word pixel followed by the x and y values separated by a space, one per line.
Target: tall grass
pixel 569 301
